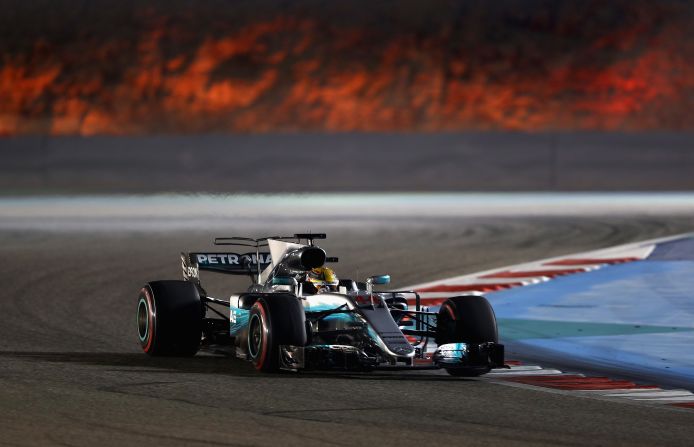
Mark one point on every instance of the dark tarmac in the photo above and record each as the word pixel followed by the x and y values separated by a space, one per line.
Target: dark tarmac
pixel 72 372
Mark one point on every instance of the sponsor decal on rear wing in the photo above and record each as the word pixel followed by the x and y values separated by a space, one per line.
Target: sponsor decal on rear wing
pixel 230 263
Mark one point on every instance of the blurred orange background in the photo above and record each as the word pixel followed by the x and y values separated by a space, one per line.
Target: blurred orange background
pixel 190 67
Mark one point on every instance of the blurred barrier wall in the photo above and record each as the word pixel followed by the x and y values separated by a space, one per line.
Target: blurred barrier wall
pixel 348 162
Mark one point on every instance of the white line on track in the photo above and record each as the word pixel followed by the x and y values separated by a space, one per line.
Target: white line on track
pixel 537 372
pixel 657 394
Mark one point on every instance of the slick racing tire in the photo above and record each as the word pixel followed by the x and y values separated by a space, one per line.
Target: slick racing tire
pixel 169 318
pixel 466 319
pixel 274 321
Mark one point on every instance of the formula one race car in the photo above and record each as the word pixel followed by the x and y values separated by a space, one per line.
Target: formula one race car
pixel 289 320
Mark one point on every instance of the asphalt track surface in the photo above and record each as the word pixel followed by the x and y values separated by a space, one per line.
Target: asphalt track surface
pixel 72 372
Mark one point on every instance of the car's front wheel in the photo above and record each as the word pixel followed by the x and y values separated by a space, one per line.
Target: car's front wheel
pixel 274 321
pixel 466 319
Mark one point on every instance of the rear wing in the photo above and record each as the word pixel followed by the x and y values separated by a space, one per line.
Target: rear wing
pixel 229 263
pixel 252 263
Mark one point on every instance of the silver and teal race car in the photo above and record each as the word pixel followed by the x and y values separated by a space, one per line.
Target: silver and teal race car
pixel 284 322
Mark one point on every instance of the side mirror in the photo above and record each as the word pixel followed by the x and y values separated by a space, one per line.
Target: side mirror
pixel 283 281
pixel 378 279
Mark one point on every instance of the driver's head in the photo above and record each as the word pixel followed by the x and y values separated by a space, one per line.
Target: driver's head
pixel 323 279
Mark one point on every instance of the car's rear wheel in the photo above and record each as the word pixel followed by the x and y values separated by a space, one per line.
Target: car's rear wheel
pixel 169 318
pixel 466 319
pixel 274 321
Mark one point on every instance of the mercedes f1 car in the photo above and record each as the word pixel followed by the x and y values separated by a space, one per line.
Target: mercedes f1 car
pixel 282 322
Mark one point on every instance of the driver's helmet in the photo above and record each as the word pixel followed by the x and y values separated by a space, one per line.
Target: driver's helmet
pixel 323 279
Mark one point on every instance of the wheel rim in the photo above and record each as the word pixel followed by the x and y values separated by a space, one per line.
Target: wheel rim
pixel 142 320
pixel 255 336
